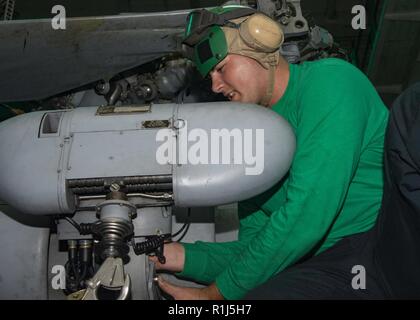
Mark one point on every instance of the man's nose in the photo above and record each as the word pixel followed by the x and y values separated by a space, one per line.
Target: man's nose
pixel 216 82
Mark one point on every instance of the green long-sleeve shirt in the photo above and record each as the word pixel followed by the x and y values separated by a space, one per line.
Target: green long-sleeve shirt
pixel 333 189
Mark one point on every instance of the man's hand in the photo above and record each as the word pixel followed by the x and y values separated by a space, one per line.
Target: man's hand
pixel 175 258
pixel 184 293
pixel 174 253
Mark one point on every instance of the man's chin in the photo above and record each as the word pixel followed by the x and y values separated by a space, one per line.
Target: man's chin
pixel 242 99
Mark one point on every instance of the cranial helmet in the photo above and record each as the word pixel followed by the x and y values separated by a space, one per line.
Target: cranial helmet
pixel 213 34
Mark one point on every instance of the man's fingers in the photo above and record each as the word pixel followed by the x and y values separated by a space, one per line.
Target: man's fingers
pixel 175 256
pixel 153 259
pixel 168 287
pixel 182 293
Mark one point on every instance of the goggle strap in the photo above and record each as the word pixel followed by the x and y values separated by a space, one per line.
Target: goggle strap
pixel 208 19
pixel 235 14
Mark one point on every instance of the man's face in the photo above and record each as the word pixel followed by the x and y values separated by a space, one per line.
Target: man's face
pixel 239 78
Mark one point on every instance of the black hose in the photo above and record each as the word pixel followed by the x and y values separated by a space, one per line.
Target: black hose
pixel 83 228
pixel 186 226
pixel 73 223
pixel 150 245
pixel 185 232
pixel 180 230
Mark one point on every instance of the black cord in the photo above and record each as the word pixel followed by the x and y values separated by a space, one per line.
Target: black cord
pixel 185 232
pixel 72 277
pixel 155 244
pixel 150 244
pixel 186 225
pixel 83 228
pixel 180 230
pixel 73 223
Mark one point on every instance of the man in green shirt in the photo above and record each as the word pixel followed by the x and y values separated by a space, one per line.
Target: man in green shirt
pixel 304 237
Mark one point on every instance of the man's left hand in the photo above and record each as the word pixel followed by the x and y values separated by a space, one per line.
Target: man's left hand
pixel 185 293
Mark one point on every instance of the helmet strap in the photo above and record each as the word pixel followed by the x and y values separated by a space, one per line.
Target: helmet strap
pixel 270 86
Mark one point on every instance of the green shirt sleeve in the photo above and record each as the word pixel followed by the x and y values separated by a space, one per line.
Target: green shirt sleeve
pixel 331 118
pixel 204 261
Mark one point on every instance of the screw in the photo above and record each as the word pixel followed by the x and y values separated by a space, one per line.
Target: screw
pixel 114 187
pixel 284 20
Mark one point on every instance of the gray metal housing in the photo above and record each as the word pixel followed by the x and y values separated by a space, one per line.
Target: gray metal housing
pixel 41 151
pixel 24 249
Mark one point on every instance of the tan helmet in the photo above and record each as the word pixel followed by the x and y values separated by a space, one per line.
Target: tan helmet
pixel 258 37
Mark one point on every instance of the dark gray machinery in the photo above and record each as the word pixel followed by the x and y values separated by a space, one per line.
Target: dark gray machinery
pixel 109 176
pixel 108 55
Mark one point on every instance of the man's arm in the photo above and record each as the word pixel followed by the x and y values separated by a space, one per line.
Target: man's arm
pixel 204 261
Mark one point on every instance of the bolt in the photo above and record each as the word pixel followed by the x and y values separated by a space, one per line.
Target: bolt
pixel 114 187
pixel 179 124
pixel 284 20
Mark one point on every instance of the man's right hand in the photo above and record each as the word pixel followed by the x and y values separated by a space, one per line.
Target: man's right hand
pixel 174 253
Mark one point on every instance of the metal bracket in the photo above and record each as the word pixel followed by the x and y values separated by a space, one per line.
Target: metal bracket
pixel 110 276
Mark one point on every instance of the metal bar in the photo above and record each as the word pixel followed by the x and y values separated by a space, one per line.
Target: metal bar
pixel 138 206
pixel 88 190
pixel 100 182
pixel 150 187
pixel 148 179
pixel 165 196
pixel 85 182
pixel 91 197
pixel 130 188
